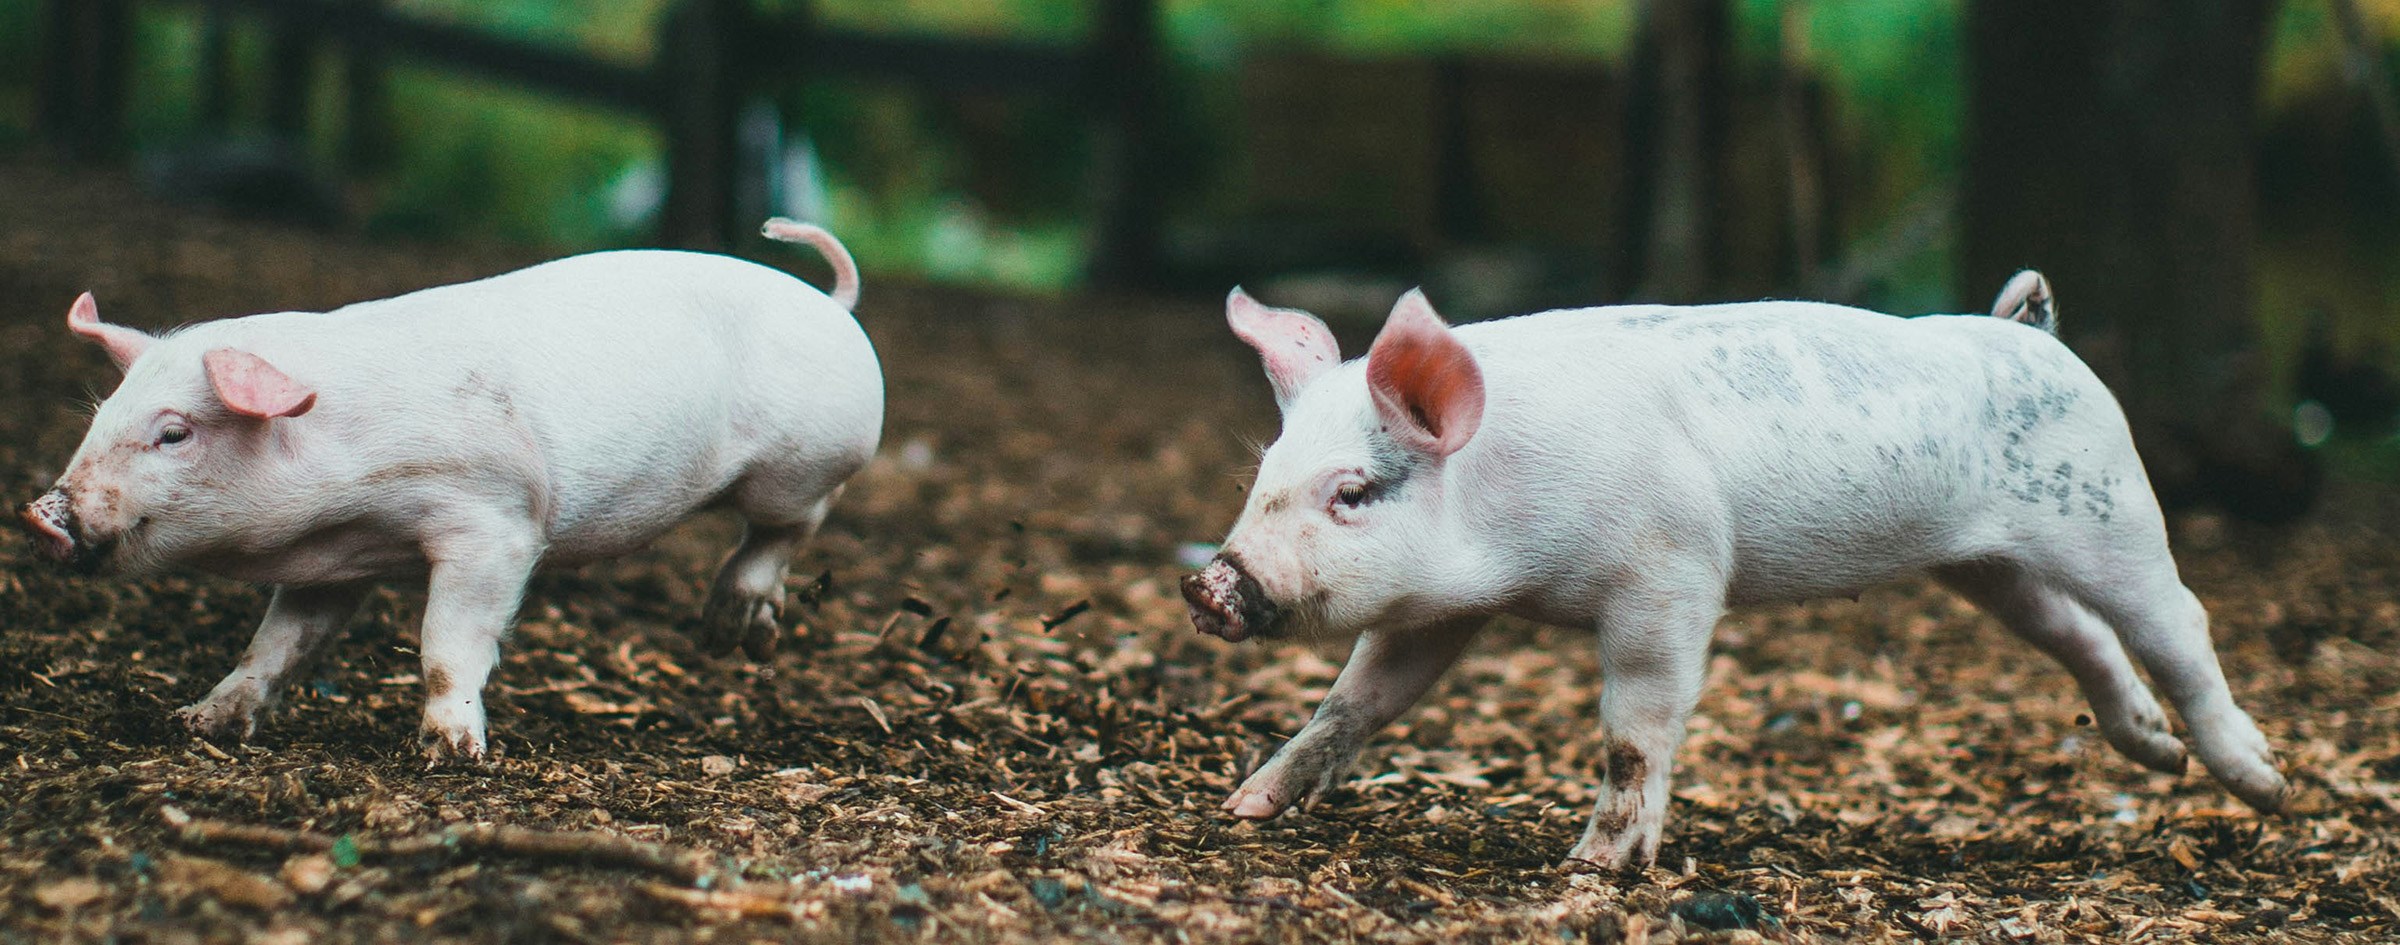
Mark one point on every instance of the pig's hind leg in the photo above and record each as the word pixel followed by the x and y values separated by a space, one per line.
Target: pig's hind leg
pixel 299 621
pixel 2131 583
pixel 2045 616
pixel 745 607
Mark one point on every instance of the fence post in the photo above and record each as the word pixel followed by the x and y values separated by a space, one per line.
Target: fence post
pixel 366 118
pixel 216 68
pixel 1128 194
pixel 291 59
pixel 699 84
pixel 83 76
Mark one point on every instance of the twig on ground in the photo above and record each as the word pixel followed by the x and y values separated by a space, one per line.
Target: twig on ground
pixel 747 905
pixel 580 846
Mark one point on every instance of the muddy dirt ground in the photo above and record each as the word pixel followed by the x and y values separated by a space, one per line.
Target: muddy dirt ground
pixel 992 723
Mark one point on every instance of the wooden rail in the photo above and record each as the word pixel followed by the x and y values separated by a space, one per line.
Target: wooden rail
pixel 712 56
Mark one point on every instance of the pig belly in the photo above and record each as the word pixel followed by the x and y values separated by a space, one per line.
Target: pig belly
pixel 611 504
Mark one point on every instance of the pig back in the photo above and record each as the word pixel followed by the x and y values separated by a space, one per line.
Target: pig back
pixel 628 388
pixel 1810 449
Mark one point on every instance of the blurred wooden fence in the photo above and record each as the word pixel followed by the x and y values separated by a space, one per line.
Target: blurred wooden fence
pixel 712 55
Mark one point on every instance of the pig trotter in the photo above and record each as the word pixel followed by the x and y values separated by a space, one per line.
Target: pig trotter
pixel 299 622
pixel 450 748
pixel 745 606
pixel 1624 829
pixel 1305 778
pixel 225 716
pixel 734 620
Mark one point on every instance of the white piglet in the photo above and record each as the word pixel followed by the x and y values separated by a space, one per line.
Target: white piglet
pixel 467 434
pixel 1639 469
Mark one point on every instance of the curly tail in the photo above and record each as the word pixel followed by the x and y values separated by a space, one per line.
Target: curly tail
pixel 845 269
pixel 2027 299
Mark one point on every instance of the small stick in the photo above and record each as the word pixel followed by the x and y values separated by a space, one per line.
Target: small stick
pixel 743 904
pixel 585 846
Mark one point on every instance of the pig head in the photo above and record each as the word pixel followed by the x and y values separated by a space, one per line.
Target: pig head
pixel 1349 523
pixel 144 489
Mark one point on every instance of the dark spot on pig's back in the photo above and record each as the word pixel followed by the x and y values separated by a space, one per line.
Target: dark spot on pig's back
pixel 1756 372
pixel 2022 404
pixel 478 387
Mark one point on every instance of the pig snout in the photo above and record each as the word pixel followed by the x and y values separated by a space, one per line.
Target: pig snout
pixel 1226 602
pixel 51 521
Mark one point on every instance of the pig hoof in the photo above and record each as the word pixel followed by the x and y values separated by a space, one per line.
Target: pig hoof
pixel 1251 803
pixel 451 749
pixel 1628 851
pixel 752 624
pixel 1272 791
pixel 219 720
pixel 2158 751
pixel 2236 753
pixel 2253 778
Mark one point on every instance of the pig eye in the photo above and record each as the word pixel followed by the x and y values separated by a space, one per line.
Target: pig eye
pixel 173 433
pixel 1351 495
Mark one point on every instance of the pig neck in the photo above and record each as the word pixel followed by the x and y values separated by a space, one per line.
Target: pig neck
pixel 1464 572
pixel 1503 547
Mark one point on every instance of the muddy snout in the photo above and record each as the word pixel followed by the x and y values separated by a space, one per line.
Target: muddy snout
pixel 51 521
pixel 1226 602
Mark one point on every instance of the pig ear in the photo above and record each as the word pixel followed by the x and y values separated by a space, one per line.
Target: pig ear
pixel 1294 345
pixel 1426 386
pixel 123 344
pixel 253 388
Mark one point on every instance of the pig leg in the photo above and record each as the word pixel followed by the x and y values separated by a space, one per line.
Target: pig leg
pixel 2046 617
pixel 1653 658
pixel 1387 673
pixel 745 608
pixel 299 621
pixel 2167 629
pixel 470 600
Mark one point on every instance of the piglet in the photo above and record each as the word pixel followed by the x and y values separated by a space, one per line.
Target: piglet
pixel 1639 469
pixel 465 435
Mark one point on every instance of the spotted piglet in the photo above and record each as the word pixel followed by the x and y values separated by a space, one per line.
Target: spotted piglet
pixel 465 435
pixel 1639 469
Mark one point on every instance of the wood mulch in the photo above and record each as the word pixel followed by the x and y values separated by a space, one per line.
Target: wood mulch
pixel 993 724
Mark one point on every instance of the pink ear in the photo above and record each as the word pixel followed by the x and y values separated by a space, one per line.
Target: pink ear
pixel 123 344
pixel 1426 386
pixel 251 387
pixel 1295 346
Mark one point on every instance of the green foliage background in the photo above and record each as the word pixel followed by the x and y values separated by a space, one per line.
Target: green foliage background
pixel 476 161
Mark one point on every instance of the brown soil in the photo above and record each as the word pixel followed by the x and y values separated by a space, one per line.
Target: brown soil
pixel 993 723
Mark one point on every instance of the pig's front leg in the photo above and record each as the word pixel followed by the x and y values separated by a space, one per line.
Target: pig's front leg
pixel 1653 658
pixel 471 598
pixel 1387 673
pixel 299 621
